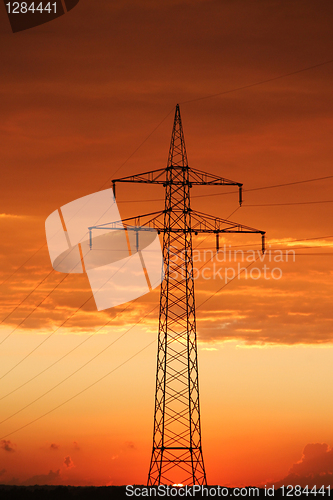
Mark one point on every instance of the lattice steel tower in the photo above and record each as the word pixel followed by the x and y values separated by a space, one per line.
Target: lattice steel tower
pixel 177 448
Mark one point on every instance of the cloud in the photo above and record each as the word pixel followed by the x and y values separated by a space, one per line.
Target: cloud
pixel 43 479
pixel 68 462
pixel 314 468
pixel 12 216
pixel 2 472
pixel 317 458
pixel 7 446
pixel 54 446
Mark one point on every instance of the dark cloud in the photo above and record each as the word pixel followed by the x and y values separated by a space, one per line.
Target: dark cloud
pixel 68 462
pixel 43 479
pixel 54 446
pixel 2 472
pixel 7 446
pixel 317 458
pixel 314 468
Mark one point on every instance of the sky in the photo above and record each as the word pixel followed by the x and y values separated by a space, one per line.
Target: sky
pixel 91 96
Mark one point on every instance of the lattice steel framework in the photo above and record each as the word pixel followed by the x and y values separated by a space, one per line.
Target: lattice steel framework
pixel 177 429
pixel 177 448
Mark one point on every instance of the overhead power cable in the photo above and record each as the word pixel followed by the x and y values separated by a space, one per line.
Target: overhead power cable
pixel 81 392
pixel 140 145
pixel 82 366
pixel 288 204
pixel 227 283
pixel 202 196
pixel 25 298
pixel 69 352
pixel 64 322
pixel 75 371
pixel 76 347
pixel 261 82
pixel 52 333
pixel 33 310
pixel 251 85
pixel 104 376
pixel 89 361
pixel 22 265
pixel 129 157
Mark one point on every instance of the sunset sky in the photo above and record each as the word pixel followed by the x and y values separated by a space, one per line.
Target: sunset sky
pixel 91 96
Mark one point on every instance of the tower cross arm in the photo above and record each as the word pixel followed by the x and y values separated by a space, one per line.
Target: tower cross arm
pixel 151 177
pixel 201 178
pixel 204 223
pixel 195 178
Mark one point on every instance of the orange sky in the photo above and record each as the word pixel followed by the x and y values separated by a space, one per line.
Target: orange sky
pixel 78 96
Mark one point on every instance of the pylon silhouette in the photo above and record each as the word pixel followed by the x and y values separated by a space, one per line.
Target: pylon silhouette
pixel 177 448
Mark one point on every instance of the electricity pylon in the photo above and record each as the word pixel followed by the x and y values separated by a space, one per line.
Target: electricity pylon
pixel 177 449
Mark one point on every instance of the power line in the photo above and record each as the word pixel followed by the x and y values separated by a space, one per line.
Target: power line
pixel 142 143
pixel 98 354
pixel 230 246
pixel 30 293
pixel 54 331
pixel 232 213
pixel 318 254
pixel 22 265
pixel 291 183
pixel 104 376
pixel 33 310
pixel 286 249
pixel 81 392
pixel 69 352
pixel 129 157
pixel 304 239
pixel 262 82
pixel 244 206
pixel 201 196
pixel 62 357
pixel 218 194
pixel 286 204
pixel 84 365
pixel 88 338
pixel 72 350
pixel 310 239
pixel 223 193
pixel 236 89
pixel 226 284
pixel 73 373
